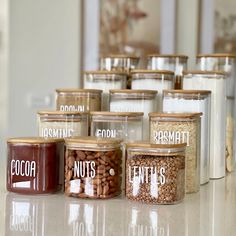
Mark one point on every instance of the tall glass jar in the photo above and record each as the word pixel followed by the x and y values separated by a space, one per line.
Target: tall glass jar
pixel 105 80
pixel 193 101
pixel 155 173
pixel 119 62
pixel 216 83
pixel 59 124
pixel 172 62
pixel 153 79
pixel 82 100
pixel 172 128
pixel 93 167
pixel 227 63
pixel 135 101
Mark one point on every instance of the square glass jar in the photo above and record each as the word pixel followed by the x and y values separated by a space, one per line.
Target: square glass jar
pixel 59 124
pixel 34 165
pixel 155 173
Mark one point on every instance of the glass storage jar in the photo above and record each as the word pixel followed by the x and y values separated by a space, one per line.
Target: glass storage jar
pixel 34 165
pixel 93 167
pixel 214 81
pixel 153 79
pixel 172 128
pixel 60 124
pixel 119 62
pixel 175 101
pixel 135 101
pixel 105 80
pixel 155 173
pixel 82 100
pixel 227 63
pixel 172 62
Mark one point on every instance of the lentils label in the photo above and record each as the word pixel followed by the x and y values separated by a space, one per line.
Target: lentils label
pixel 171 137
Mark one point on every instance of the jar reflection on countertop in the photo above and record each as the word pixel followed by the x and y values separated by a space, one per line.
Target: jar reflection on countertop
pixel 155 173
pixel 34 165
pixel 93 167
pixel 59 124
pixel 105 80
pixel 172 62
pixel 82 100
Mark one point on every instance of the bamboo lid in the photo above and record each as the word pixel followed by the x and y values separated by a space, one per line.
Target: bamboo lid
pixel 34 140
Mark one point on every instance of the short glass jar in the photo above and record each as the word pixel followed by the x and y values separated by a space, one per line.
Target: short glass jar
pixel 119 62
pixel 105 80
pixel 93 167
pixel 59 124
pixel 135 101
pixel 215 81
pixel 82 100
pixel 227 63
pixel 155 173
pixel 153 79
pixel 127 126
pixel 172 62
pixel 173 128
pixel 34 165
pixel 177 101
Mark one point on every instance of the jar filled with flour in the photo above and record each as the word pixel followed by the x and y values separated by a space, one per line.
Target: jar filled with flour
pixel 177 101
pixel 153 79
pixel 105 80
pixel 172 62
pixel 227 63
pixel 214 81
pixel 135 101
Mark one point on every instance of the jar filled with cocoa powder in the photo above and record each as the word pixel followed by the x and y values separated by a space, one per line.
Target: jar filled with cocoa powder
pixel 155 173
pixel 35 165
pixel 60 124
pixel 82 100
pixel 93 167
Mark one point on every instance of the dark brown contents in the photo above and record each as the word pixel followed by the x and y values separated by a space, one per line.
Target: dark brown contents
pixel 34 168
pixel 155 179
pixel 92 174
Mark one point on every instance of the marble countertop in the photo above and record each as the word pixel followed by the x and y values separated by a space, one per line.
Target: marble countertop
pixel 211 212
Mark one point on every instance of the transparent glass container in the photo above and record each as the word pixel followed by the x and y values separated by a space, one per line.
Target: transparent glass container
pixel 177 101
pixel 34 165
pixel 105 80
pixel 172 62
pixel 135 101
pixel 82 100
pixel 214 81
pixel 155 173
pixel 119 62
pixel 153 79
pixel 174 128
pixel 93 167
pixel 227 63
pixel 60 124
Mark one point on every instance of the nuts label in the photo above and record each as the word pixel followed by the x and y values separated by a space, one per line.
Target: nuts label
pixel 84 169
pixel 56 133
pixel 23 168
pixel 171 137
pixel 146 175
pixel 106 133
pixel 79 108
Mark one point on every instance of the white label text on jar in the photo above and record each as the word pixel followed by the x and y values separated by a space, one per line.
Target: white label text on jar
pixel 72 108
pixel 146 174
pixel 84 169
pixel 23 168
pixel 56 133
pixel 171 137
pixel 106 133
pixel 22 223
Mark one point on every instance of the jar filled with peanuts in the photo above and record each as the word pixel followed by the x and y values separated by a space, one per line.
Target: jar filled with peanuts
pixel 93 167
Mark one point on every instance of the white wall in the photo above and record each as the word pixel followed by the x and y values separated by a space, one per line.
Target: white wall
pixel 44 54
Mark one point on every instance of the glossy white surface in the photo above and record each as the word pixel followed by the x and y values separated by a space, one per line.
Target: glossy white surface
pixel 211 212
